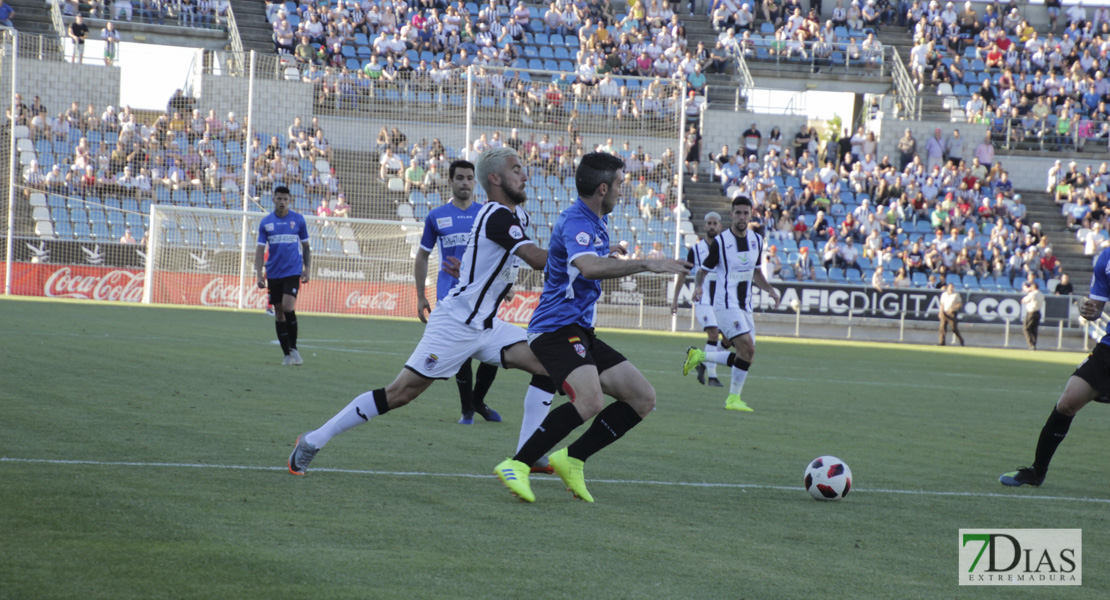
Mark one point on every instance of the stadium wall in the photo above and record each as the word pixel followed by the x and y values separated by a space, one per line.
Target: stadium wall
pixel 724 127
pixel 54 82
pixel 891 130
pixel 277 103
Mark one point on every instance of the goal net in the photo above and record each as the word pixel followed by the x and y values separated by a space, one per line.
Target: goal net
pixel 204 257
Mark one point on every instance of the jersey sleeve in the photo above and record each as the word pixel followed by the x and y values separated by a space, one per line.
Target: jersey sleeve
pixel 578 237
pixel 1100 280
pixel 504 229
pixel 302 232
pixel 692 258
pixel 262 238
pixel 759 247
pixel 712 257
pixel 431 234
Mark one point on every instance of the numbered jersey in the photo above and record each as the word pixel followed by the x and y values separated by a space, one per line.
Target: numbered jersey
pixel 735 260
pixel 696 256
pixel 489 267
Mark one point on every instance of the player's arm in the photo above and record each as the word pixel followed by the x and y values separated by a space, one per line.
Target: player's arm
pixel 420 273
pixel 532 254
pixel 259 262
pixel 306 259
pixel 593 266
pixel 680 282
pixel 761 281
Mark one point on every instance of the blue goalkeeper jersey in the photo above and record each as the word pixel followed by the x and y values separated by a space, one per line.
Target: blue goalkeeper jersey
pixel 1100 284
pixel 449 226
pixel 284 236
pixel 568 298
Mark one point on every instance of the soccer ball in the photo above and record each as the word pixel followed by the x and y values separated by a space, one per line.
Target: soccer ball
pixel 828 478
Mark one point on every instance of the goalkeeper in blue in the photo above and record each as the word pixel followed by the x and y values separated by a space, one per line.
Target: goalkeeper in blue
pixel 1090 381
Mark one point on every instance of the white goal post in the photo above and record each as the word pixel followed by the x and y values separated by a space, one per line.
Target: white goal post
pixel 204 257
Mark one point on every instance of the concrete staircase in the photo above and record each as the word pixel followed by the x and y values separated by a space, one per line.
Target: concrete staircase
pixel 254 29
pixel 32 16
pixel 1041 208
pixel 369 198
pixel 932 107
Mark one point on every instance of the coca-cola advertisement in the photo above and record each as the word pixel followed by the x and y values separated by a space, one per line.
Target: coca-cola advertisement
pixel 84 283
pixel 519 310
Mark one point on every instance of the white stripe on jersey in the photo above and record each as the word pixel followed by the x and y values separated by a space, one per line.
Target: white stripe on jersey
pixel 488 269
pixel 708 283
pixel 737 261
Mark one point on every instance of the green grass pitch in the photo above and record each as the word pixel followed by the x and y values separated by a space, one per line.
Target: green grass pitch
pixel 143 456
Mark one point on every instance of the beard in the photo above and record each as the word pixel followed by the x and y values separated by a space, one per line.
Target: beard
pixel 517 198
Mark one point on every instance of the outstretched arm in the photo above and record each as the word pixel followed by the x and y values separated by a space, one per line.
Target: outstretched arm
pixel 593 266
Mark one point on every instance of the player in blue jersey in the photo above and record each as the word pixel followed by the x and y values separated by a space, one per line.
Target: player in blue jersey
pixel 286 234
pixel 1090 381
pixel 561 335
pixel 449 226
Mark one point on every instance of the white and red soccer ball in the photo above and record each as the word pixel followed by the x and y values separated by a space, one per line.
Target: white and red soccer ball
pixel 828 478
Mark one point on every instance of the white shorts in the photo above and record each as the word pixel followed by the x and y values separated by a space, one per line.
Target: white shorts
pixel 735 322
pixel 705 315
pixel 447 344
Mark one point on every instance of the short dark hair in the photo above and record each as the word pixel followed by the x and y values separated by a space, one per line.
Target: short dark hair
pixel 458 164
pixel 595 169
pixel 741 201
pixel 281 189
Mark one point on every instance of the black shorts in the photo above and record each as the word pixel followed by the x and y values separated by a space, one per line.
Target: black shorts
pixel 567 348
pixel 283 286
pixel 1096 370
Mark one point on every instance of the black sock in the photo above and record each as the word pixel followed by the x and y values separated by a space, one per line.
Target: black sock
pixel 283 336
pixel 1055 428
pixel 379 401
pixel 463 379
pixel 291 326
pixel 558 425
pixel 609 425
pixel 739 363
pixel 483 379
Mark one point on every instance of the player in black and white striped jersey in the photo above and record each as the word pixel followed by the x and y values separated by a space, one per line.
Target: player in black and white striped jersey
pixel 465 325
pixel 735 256
pixel 703 308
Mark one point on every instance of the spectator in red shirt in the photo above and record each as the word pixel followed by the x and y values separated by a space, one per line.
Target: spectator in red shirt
pixel 1050 265
pixel 801 230
pixel 323 210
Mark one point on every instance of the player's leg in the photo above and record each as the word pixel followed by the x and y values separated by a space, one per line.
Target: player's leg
pixel 277 292
pixel 445 346
pixel 712 345
pixel 464 379
pixel 538 398
pixel 405 387
pixel 1077 393
pixel 289 307
pixel 741 362
pixel 483 380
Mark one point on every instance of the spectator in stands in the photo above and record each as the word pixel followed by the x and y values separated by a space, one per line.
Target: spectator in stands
pixel 78 31
pixel 6 14
pixel 804 269
pixel 323 210
pixel 772 263
pixel 414 176
pixel 120 7
pixel 1064 286
pixel 391 165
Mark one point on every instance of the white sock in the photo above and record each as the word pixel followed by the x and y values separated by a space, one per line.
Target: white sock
pixel 536 404
pixel 711 368
pixel 717 357
pixel 359 411
pixel 738 377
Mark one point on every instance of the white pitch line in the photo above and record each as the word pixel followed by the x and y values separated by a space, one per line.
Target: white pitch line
pixel 694 484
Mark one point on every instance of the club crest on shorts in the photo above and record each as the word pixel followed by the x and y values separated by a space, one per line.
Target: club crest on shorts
pixel 579 348
pixel 430 362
